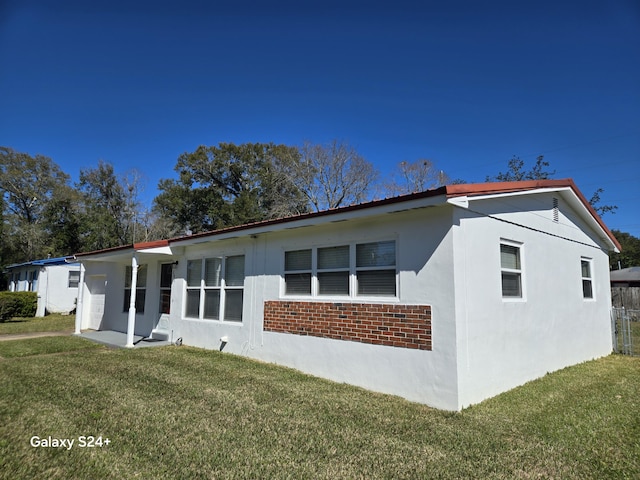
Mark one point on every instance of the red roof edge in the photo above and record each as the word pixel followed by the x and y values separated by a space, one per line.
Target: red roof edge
pixel 135 246
pixel 468 189
pixel 154 244
pixel 489 188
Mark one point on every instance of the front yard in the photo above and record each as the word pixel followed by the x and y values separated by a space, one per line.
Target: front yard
pixel 50 323
pixel 180 412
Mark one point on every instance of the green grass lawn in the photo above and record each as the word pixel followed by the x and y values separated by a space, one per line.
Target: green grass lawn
pixel 50 323
pixel 181 412
pixel 43 345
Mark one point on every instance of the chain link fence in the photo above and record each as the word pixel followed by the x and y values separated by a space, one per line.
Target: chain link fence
pixel 625 326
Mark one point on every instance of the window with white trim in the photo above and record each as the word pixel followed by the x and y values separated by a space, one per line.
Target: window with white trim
pixel 363 269
pixel 32 280
pixel 587 281
pixel 166 276
pixel 74 278
pixel 215 288
pixel 141 288
pixel 297 272
pixel 511 270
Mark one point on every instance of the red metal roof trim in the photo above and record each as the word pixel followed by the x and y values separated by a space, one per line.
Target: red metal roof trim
pixel 468 189
pixel 135 246
pixel 472 189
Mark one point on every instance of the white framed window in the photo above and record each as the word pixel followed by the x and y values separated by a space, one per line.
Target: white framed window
pixel 215 288
pixel 352 270
pixel 376 268
pixel 74 278
pixel 511 269
pixel 587 279
pixel 166 276
pixel 297 272
pixel 32 281
pixel 141 288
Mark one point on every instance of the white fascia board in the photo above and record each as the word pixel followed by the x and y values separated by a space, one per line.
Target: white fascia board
pixel 568 195
pixel 157 250
pixel 462 202
pixel 316 220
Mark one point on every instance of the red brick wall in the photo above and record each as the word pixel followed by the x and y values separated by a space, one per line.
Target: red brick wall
pixel 405 326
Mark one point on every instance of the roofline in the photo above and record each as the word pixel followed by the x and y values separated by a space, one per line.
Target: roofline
pixel 323 213
pixel 141 246
pixel 42 262
pixel 447 191
pixel 488 188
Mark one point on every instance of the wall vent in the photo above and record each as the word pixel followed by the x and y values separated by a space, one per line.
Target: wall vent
pixel 556 214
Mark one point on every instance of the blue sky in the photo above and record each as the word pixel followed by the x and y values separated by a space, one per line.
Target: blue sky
pixel 465 84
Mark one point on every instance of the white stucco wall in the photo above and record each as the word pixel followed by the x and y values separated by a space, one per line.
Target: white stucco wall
pixel 424 258
pixel 51 284
pixel 54 293
pixel 503 343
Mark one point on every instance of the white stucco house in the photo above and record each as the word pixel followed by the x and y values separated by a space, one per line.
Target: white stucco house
pixel 444 297
pixel 54 279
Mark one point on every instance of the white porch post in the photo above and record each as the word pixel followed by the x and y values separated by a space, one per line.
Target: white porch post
pixel 79 301
pixel 131 324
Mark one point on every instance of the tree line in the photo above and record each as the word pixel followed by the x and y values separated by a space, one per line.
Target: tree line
pixel 44 214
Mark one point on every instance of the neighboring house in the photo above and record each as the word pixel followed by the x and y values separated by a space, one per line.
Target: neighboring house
pixel 625 288
pixel 445 297
pixel 54 279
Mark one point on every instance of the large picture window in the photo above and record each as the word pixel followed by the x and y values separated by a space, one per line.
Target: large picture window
pixel 215 288
pixel 511 269
pixel 141 288
pixel 363 269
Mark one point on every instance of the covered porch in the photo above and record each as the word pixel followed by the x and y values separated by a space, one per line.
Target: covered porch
pixel 125 294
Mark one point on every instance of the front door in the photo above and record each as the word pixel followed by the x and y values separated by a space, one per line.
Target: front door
pixel 96 286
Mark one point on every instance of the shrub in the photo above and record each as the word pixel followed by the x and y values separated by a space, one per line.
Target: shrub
pixel 17 304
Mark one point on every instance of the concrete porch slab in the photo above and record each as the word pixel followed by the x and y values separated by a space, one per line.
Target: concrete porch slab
pixel 119 339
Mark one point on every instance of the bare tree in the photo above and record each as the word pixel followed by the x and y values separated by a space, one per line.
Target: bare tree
pixel 333 175
pixel 418 176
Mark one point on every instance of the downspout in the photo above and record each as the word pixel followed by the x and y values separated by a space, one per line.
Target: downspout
pixel 81 287
pixel 131 323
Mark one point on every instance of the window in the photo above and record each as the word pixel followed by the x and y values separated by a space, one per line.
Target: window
pixel 376 268
pixel 166 275
pixel 141 288
pixel 297 272
pixel 587 282
pixel 32 280
pixel 333 270
pixel 364 269
pixel 215 288
pixel 74 279
pixel 511 269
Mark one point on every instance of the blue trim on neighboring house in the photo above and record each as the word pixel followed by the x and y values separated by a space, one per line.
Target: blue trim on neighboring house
pixel 43 262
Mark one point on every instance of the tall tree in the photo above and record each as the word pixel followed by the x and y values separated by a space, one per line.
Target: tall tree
pixel 110 205
pixel 28 186
pixel 333 175
pixel 418 176
pixel 516 172
pixel 630 252
pixel 228 184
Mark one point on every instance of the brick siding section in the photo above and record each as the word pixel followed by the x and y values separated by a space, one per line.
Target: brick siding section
pixel 404 326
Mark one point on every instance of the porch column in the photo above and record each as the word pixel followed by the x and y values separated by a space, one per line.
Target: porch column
pixel 131 324
pixel 79 301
